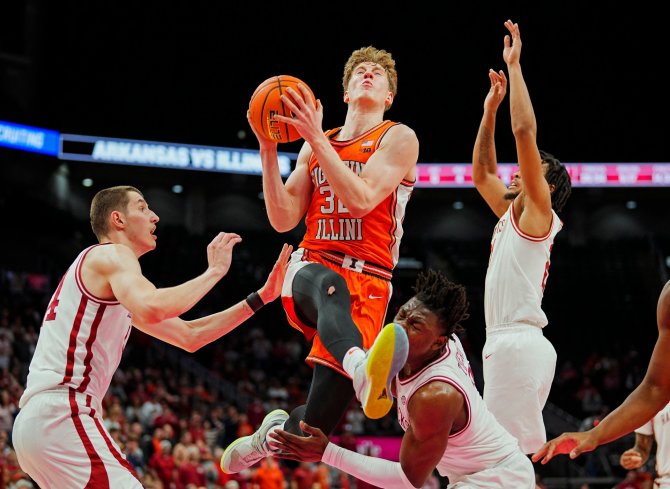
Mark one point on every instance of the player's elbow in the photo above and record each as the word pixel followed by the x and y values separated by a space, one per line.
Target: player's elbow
pixel 479 178
pixel 360 208
pixel 191 339
pixel 524 131
pixel 282 224
pixel 190 347
pixel 151 314
pixel 413 478
pixel 657 390
pixel 281 227
pixel 357 213
pixel 187 342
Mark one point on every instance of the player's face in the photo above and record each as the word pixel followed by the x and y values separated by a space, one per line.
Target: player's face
pixel 423 330
pixel 516 185
pixel 141 223
pixel 369 83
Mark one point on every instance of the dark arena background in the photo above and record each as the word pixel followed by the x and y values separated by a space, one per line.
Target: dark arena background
pixel 154 95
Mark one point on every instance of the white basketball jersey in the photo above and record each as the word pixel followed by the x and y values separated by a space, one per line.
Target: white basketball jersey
pixel 81 339
pixel 659 428
pixel 483 442
pixel 517 273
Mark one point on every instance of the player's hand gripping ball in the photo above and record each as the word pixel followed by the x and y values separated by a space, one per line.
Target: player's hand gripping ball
pixel 266 102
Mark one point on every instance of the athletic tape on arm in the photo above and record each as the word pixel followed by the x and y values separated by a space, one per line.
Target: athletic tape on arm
pixel 376 471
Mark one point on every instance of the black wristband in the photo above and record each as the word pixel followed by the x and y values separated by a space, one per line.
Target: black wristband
pixel 255 302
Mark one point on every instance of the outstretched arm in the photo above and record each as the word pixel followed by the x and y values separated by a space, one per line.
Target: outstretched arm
pixel 484 160
pixel 314 447
pixel 116 269
pixel 192 335
pixel 536 216
pixel 640 406
pixel 432 411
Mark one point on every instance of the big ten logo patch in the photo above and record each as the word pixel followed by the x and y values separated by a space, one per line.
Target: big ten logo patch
pixel 366 146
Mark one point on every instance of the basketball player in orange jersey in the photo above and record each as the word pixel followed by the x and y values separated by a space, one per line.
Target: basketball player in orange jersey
pixel 519 362
pixel 351 185
pixel 59 436
pixel 641 405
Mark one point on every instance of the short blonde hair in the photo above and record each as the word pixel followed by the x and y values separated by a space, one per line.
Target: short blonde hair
pixel 371 54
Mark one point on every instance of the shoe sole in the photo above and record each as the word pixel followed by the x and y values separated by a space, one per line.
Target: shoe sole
pixel 244 438
pixel 227 450
pixel 387 356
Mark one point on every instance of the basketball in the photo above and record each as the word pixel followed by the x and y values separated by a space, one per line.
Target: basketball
pixel 266 102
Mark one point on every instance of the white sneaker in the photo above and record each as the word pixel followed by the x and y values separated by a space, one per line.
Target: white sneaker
pixel 374 374
pixel 247 450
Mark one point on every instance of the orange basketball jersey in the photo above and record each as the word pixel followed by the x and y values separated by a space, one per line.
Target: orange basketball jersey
pixel 374 238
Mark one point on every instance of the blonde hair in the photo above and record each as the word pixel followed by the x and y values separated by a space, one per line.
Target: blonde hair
pixel 371 54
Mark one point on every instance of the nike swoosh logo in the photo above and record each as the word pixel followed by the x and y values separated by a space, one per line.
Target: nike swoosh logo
pixel 375 296
pixel 487 356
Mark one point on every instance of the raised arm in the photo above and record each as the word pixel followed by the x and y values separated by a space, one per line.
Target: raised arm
pixel 536 216
pixel 394 160
pixel 484 160
pixel 286 203
pixel 640 406
pixel 192 335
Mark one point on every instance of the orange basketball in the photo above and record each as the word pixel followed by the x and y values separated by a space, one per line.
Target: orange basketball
pixel 266 102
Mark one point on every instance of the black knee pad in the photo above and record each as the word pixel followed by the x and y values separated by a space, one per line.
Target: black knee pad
pixel 320 277
pixel 310 292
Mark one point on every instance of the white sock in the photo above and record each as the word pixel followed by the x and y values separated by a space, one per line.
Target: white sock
pixel 269 440
pixel 351 360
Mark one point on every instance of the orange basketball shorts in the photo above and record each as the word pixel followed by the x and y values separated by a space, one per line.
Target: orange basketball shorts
pixel 370 295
